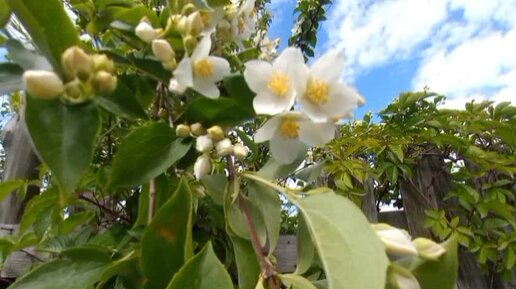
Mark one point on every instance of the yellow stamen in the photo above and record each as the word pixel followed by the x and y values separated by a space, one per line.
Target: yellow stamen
pixel 289 128
pixel 203 68
pixel 317 91
pixel 279 83
pixel 206 18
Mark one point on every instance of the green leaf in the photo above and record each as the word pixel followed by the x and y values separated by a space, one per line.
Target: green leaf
pixel 238 90
pixel 247 265
pixel 77 272
pixel 398 151
pixel 216 187
pixel 268 202
pixel 305 247
pixel 64 137
pixel 341 232
pixel 163 193
pixel 27 59
pixel 10 77
pixel 294 281
pixel 221 111
pixel 122 102
pixel 275 170
pixel 8 187
pixel 440 274
pixel 5 13
pixel 167 241
pixel 49 26
pixel 236 221
pixel 146 153
pixel 203 271
pixel 310 173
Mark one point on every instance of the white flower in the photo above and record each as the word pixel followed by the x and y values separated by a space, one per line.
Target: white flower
pixel 145 31
pixel 202 166
pixel 243 23
pixel 324 97
pixel 204 144
pixel 42 84
pixel 162 50
pixel 276 84
pixel 211 19
pixel 202 71
pixel 224 147
pixel 396 241
pixel 240 151
pixel 289 134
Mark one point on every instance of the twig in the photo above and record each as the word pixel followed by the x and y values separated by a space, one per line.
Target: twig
pixel 266 266
pixel 104 208
pixel 152 200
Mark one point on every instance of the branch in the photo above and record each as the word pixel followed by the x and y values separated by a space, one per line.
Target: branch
pixel 104 208
pixel 152 200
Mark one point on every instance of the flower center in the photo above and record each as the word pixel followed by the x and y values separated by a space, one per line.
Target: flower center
pixel 279 83
pixel 203 67
pixel 317 91
pixel 289 128
pixel 206 18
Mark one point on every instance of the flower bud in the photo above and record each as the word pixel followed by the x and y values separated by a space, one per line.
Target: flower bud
pixel 428 249
pixel 104 82
pixel 176 87
pixel 170 65
pixel 396 241
pixel 145 31
pixel 188 9
pixel 76 63
pixel 216 133
pixel 360 100
pixel 183 130
pixel 203 144
pixel 73 91
pixel 224 147
pixel 197 129
pixel 162 50
pixel 194 25
pixel 240 151
pixel 43 84
pixel 202 166
pixel 181 25
pixel 190 42
pixel 102 62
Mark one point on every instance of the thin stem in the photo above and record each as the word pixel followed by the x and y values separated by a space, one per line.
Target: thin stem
pixel 266 266
pixel 104 208
pixel 152 200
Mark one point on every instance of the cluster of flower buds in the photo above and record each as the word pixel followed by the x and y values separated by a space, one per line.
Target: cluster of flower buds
pixel 161 48
pixel 85 76
pixel 208 140
pixel 399 243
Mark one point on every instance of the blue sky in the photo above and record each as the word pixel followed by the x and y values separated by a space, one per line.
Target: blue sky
pixel 464 49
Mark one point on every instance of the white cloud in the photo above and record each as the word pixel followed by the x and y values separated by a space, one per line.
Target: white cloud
pixel 465 48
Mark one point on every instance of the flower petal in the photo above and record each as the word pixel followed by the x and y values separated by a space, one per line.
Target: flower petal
pixel 270 104
pixel 285 150
pixel 329 67
pixel 183 73
pixel 220 68
pixel 316 134
pixel 342 100
pixel 267 131
pixel 257 74
pixel 206 88
pixel 313 111
pixel 203 48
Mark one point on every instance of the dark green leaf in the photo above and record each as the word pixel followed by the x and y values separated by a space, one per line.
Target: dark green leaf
pixel 167 241
pixel 5 13
pixel 122 102
pixel 247 265
pixel 221 111
pixel 146 153
pixel 203 271
pixel 49 26
pixel 8 187
pixel 64 137
pixel 216 187
pixel 268 202
pixel 10 77
pixel 238 90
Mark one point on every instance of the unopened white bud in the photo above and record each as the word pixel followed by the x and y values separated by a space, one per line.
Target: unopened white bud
pixel 181 25
pixel 240 151
pixel 104 82
pixel 396 241
pixel 170 65
pixel 77 63
pixel 202 166
pixel 162 50
pixel 216 133
pixel 194 24
pixel 176 87
pixel 183 130
pixel 145 31
pixel 43 84
pixel 204 144
pixel 428 249
pixel 224 147
pixel 102 62
pixel 197 129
